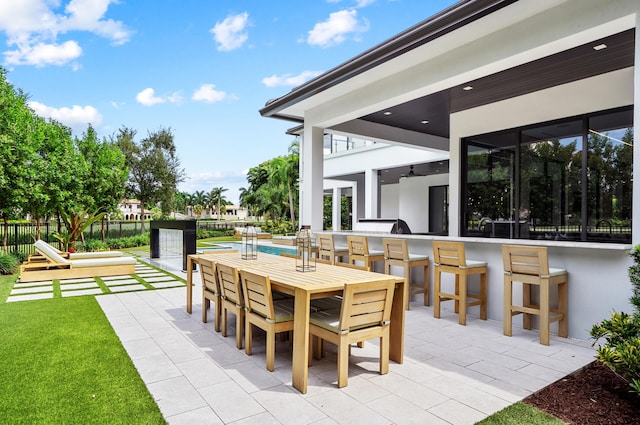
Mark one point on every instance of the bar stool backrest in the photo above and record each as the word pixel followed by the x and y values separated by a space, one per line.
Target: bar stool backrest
pixel 525 260
pixel 395 249
pixel 447 253
pixel 358 245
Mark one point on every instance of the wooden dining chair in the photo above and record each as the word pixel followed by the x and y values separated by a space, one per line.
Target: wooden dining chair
pixel 328 250
pixel 262 311
pixel 365 314
pixel 210 291
pixel 530 266
pixel 449 257
pixel 231 299
pixel 359 251
pixel 396 253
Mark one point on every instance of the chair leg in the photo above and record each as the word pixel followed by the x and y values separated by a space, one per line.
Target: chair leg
pixel 526 300
pixel 462 296
pixel 544 312
pixel 427 285
pixel 456 302
pixel 224 322
pixel 407 287
pixel 507 300
pixel 205 306
pixel 384 352
pixel 436 292
pixel 343 362
pixel 239 326
pixel 271 350
pixel 563 303
pixel 483 296
pixel 217 312
pixel 248 338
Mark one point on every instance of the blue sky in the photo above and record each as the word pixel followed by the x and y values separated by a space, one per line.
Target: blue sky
pixel 201 67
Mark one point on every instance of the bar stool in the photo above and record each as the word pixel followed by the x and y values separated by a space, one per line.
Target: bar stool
pixel 359 251
pixel 396 253
pixel 327 248
pixel 449 257
pixel 530 265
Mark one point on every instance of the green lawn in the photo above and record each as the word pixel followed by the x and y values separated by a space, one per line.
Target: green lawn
pixel 62 363
pixel 518 414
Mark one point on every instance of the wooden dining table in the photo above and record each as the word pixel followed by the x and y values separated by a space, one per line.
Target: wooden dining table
pixel 326 280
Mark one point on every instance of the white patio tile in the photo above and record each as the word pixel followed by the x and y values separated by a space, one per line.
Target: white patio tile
pixel 123 288
pixel 200 416
pixel 167 284
pixel 30 297
pixel 75 286
pixel 288 408
pixel 203 372
pixel 118 282
pixel 156 368
pixel 401 412
pixel 345 410
pixel 230 402
pixel 79 292
pixel 456 413
pixel 175 396
pixel 31 290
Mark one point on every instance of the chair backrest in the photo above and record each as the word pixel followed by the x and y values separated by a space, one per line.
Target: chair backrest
pixel 325 242
pixel 529 260
pixel 357 245
pixel 209 278
pixel 446 253
pixel 366 304
pixel 49 252
pixel 354 266
pixel 395 249
pixel 257 294
pixel 229 281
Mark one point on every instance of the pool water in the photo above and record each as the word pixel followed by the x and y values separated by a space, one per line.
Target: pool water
pixel 267 249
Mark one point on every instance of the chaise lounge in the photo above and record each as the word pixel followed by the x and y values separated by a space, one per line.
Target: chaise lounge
pixel 55 266
pixel 74 255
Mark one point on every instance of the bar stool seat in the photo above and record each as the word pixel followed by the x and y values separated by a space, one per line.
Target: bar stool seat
pixel 396 253
pixel 449 257
pixel 359 251
pixel 530 266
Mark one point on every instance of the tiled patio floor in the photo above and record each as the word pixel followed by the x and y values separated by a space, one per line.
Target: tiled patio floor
pixel 451 374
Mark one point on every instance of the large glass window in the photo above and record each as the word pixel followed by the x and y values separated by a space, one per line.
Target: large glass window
pixel 546 182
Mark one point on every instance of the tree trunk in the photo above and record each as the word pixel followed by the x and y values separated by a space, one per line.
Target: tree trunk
pixel 6 233
pixel 103 234
pixel 292 209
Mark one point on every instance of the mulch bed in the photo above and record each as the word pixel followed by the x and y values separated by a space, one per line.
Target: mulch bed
pixel 594 395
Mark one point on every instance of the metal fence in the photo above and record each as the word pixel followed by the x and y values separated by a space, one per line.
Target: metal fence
pixel 21 236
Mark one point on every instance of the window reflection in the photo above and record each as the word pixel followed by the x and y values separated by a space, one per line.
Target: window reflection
pixel 534 183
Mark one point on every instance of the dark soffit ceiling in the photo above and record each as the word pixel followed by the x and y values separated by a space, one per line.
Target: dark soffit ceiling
pixel 564 67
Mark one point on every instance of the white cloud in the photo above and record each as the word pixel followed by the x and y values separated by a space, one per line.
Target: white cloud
pixel 147 97
pixel 230 34
pixel 33 28
pixel 364 3
pixel 76 117
pixel 208 93
pixel 336 29
pixel 42 54
pixel 289 79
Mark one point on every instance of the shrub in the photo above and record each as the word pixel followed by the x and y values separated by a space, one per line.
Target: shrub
pixel 8 264
pixel 93 245
pixel 20 256
pixel 622 334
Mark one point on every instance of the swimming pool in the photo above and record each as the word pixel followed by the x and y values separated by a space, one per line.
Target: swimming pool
pixel 267 249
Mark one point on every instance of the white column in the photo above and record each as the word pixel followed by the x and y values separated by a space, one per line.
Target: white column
pixel 371 194
pixel 337 207
pixel 454 183
pixel 311 174
pixel 635 229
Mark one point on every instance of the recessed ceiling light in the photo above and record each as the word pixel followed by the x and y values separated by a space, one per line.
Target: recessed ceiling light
pixel 387 113
pixel 467 88
pixel 424 122
pixel 600 47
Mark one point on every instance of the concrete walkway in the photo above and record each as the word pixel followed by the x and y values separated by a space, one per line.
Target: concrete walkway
pixel 451 374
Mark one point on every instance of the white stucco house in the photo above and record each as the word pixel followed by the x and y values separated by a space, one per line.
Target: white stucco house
pixel 494 121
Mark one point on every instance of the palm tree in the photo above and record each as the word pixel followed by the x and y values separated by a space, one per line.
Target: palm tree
pixel 199 197
pixel 216 196
pixel 285 171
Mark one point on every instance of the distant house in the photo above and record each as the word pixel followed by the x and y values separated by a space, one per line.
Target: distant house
pixel 131 210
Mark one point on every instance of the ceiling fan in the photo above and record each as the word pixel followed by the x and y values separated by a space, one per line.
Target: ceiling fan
pixel 411 173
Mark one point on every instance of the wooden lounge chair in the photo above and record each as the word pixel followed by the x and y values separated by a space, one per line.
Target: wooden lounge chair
pixel 57 267
pixel 74 255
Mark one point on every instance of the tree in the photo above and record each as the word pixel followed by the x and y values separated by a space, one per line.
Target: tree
pixel 16 151
pixel 154 167
pixel 216 196
pixel 285 171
